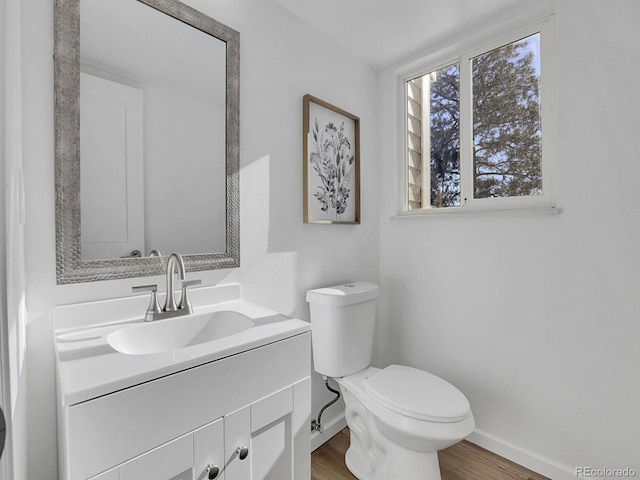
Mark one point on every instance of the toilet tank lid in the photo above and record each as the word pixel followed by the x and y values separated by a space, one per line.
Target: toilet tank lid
pixel 345 294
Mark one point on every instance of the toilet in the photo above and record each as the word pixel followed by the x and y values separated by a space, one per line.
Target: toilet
pixel 398 416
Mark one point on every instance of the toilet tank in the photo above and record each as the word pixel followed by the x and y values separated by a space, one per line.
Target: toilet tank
pixel 342 321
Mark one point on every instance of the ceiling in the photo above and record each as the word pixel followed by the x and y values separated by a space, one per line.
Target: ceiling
pixel 383 32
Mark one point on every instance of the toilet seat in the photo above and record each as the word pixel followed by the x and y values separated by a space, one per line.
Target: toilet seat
pixel 417 394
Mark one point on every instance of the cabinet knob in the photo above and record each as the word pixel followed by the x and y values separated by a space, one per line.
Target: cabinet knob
pixel 213 471
pixel 242 451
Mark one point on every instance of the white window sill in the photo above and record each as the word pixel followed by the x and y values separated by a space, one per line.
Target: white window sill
pixel 478 211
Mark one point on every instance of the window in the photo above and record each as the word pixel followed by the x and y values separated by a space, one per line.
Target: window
pixel 474 130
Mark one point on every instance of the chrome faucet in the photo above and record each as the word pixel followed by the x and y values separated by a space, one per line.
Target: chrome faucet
pixel 175 263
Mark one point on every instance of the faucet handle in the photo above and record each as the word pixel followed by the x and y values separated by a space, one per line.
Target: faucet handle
pixel 184 301
pixel 144 288
pixel 154 308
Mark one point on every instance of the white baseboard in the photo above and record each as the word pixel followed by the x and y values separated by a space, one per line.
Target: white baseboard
pixel 329 428
pixel 522 457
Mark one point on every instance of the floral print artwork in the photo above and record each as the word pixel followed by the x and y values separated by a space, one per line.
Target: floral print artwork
pixel 331 163
pixel 331 156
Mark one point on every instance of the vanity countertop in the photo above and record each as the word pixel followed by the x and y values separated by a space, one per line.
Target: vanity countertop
pixel 89 367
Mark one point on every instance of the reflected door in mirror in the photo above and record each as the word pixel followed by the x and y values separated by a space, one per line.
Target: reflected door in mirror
pixel 111 168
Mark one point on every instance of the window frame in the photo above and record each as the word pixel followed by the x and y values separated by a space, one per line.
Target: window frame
pixel 463 53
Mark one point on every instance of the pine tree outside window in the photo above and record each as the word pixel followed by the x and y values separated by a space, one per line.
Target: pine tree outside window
pixel 475 129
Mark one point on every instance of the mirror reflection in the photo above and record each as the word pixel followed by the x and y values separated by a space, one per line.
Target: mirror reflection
pixel 152 133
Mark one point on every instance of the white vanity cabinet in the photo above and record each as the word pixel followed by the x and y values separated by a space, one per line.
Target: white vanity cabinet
pixel 172 461
pixel 248 414
pixel 185 458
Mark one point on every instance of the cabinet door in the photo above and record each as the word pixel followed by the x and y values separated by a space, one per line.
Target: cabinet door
pixel 237 436
pixel 171 461
pixel 271 437
pixel 110 475
pixel 208 451
pixel 265 428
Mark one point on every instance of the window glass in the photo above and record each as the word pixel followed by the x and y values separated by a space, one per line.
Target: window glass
pixel 507 160
pixel 434 138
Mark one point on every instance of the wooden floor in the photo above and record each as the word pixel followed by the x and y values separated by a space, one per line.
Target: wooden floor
pixel 464 461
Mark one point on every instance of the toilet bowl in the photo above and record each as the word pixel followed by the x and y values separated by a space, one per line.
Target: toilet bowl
pixel 396 436
pixel 398 416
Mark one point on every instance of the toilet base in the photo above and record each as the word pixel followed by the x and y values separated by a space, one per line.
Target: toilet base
pixel 399 463
pixel 396 447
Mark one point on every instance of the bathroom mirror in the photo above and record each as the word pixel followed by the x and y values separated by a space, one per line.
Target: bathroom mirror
pixel 147 139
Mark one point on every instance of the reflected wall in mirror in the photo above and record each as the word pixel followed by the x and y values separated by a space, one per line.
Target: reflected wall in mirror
pixel 147 95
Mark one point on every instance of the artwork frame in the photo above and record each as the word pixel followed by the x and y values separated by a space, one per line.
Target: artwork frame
pixel 331 176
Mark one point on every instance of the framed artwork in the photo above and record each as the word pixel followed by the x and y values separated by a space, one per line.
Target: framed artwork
pixel 331 144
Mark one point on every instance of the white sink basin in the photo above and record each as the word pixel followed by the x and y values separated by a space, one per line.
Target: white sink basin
pixel 179 332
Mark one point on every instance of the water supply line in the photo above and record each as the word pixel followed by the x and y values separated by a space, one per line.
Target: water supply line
pixel 316 425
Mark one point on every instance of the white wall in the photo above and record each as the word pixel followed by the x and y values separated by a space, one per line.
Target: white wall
pixel 281 60
pixel 5 397
pixel 14 401
pixel 535 318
